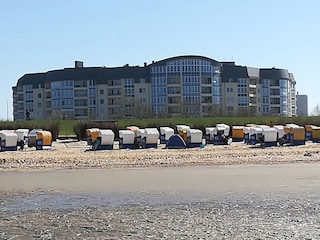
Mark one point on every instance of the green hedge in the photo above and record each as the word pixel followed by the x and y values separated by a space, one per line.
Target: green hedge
pixel 78 128
pixel 208 122
pixel 49 125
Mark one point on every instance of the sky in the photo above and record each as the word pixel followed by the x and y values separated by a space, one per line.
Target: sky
pixel 39 36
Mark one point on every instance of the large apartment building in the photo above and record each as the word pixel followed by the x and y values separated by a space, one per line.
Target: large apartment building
pixel 178 86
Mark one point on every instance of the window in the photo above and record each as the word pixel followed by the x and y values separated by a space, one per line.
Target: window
pixel 67 93
pixel 265 100
pixel 80 83
pixel 80 93
pixel 143 100
pixel 92 102
pixel 274 100
pixel 101 101
pixel 206 99
pixel 55 103
pixel 142 80
pixel 39 95
pixel 116 92
pixel 81 112
pixel 274 82
pixel 127 92
pixel 242 101
pixel 242 81
pixel 142 90
pixel 92 92
pixel 92 83
pixel 265 92
pixel 265 109
pixel 116 82
pixel 265 82
pixel 274 91
pixel 101 91
pixel 67 103
pixel 242 90
pixel 80 102
pixel 28 87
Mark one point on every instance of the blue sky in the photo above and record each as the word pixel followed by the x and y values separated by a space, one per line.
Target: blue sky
pixel 38 36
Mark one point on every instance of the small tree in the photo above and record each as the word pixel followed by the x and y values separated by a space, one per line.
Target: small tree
pixel 141 110
pixel 316 110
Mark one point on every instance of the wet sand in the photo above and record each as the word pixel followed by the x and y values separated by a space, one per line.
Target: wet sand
pixel 218 202
pixel 212 180
pixel 216 192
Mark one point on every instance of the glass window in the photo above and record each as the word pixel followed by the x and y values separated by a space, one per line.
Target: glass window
pixel 229 90
pixel 230 99
pixel 92 83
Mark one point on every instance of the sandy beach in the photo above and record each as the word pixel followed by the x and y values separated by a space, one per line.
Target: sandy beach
pixel 73 155
pixel 213 202
pixel 216 192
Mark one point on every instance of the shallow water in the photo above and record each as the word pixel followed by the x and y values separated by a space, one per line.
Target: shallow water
pixel 79 216
pixel 235 202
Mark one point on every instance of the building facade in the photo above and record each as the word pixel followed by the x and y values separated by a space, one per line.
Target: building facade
pixel 251 91
pixel 302 105
pixel 189 86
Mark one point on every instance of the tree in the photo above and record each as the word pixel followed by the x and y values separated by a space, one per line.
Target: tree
pixel 316 110
pixel 141 110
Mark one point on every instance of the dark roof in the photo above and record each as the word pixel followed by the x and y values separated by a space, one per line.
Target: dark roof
pixel 274 73
pixel 100 74
pixel 33 79
pixel 233 71
pixel 162 62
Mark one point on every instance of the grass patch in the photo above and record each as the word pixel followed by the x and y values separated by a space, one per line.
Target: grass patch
pixel 66 127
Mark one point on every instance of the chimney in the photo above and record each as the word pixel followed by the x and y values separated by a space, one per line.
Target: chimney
pixel 78 64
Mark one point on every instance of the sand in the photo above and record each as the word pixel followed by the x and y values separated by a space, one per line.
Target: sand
pixel 73 155
pixel 215 192
pixel 214 202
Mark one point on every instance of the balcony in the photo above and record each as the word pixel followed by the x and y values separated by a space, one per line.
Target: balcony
pixel 174 90
pixel 174 81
